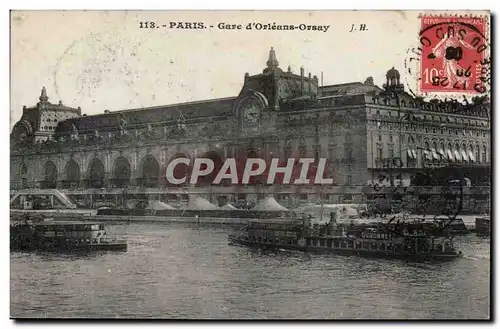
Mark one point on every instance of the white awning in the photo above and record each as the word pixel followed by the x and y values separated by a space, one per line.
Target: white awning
pixel 414 154
pixel 464 155
pixel 443 155
pixel 450 155
pixel 471 156
pixel 427 155
pixel 434 154
pixel 457 155
pixel 410 155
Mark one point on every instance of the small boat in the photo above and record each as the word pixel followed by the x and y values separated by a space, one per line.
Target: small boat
pixel 58 235
pixel 413 241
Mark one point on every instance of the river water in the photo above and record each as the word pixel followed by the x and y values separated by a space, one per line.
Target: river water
pixel 182 271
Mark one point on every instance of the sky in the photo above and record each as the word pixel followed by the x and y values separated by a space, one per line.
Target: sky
pixel 101 60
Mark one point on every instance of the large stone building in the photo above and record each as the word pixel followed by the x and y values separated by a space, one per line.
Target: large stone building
pixel 372 137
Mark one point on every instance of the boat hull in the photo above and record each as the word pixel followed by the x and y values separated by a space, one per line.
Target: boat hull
pixel 345 251
pixel 60 246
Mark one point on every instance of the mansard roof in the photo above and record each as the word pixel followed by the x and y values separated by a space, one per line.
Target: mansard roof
pixel 140 117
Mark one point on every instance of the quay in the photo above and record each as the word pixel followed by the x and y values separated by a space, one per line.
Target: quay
pixel 169 219
pixel 469 220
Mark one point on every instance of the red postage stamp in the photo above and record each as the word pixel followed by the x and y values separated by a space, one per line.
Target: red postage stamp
pixel 454 54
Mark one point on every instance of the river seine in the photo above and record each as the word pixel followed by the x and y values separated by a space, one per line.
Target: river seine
pixel 182 271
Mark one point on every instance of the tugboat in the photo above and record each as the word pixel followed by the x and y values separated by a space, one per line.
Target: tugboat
pixel 57 235
pixel 406 240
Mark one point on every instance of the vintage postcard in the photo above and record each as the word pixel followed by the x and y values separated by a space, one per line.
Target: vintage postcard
pixel 250 165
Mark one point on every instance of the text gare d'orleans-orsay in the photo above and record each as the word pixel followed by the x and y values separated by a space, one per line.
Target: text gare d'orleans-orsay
pixel 229 26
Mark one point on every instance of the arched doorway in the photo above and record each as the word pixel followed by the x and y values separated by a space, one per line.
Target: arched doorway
pixel 50 175
pixel 96 174
pixel 218 162
pixel 72 174
pixel 122 172
pixel 150 171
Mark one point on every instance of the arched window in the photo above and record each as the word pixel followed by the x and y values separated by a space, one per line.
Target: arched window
pixel 23 173
pixel 150 171
pixel 23 170
pixel 96 174
pixel 72 173
pixel 485 155
pixel 478 154
pixel 121 172
pixel 50 177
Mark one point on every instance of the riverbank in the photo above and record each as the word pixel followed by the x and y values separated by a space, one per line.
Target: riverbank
pixel 469 220
pixel 189 220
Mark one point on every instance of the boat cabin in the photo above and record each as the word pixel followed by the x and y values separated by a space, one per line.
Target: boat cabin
pixel 277 231
pixel 84 232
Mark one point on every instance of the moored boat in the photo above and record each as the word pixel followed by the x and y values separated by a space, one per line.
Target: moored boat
pixel 416 241
pixel 57 235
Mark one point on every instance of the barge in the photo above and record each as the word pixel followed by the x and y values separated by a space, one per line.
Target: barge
pixel 413 241
pixel 58 235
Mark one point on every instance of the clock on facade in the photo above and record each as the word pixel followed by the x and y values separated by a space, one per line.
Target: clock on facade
pixel 251 114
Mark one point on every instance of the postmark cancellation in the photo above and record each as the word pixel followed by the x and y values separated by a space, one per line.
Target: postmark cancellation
pixel 452 57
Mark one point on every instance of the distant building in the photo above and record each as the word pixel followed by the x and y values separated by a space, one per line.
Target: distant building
pixel 372 137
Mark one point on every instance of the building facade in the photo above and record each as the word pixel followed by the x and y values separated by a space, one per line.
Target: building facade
pixel 374 138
